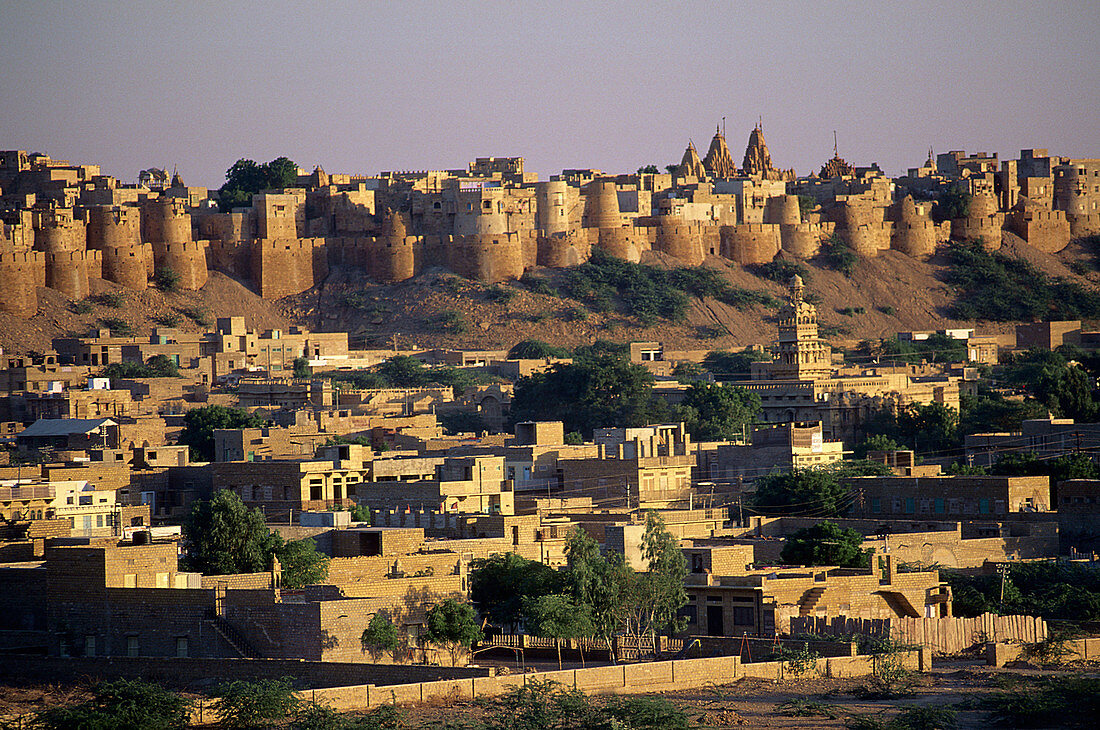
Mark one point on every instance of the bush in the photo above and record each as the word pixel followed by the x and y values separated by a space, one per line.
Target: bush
pixel 837 255
pixel 573 314
pixel 538 285
pixel 81 307
pixel 1071 701
pixel 536 350
pixel 888 310
pixel 499 294
pixel 119 327
pixel 112 299
pixel 166 279
pixel 255 704
pixel 198 315
pixel 167 320
pixel 158 366
pixel 910 718
pixel 849 311
pixel 781 271
pixel 746 298
pixel 450 321
pixel 997 287
pixel 456 422
pixel 122 705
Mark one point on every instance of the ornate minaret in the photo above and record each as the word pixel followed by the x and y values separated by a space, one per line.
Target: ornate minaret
pixel 800 354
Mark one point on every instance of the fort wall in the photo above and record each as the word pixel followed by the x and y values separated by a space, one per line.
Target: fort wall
pixel 803 240
pixel 916 238
pixel 1083 225
pixel 113 227
pixel 59 231
pixel 67 272
pixel 164 221
pixel 984 228
pixel 281 267
pixel 682 242
pixel 188 261
pixel 18 272
pixel 750 243
pixel 127 265
pixel 563 249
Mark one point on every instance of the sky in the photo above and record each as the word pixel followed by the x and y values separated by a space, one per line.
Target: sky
pixel 361 87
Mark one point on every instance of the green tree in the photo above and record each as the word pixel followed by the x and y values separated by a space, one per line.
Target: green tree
pixel 838 255
pixel 120 705
pixel 597 391
pixel 455 626
pixel 261 704
pixel 574 438
pixel 723 364
pixel 225 537
pixel 953 203
pixel 246 178
pixel 199 425
pixel 602 583
pixel 500 583
pixel 825 544
pixel 166 279
pixel 649 170
pixel 455 422
pixel 1065 388
pixel 301 564
pixel 556 616
pixel 663 582
pixel 535 350
pixel 301 368
pixel 714 412
pixel 876 442
pixel 157 366
pixel 688 372
pixel 380 636
pixel 814 491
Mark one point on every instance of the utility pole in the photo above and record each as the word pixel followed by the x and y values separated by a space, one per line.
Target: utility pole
pixel 1002 570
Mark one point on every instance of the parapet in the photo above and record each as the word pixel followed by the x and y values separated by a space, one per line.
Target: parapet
pixel 67 272
pixel 751 243
pixel 165 220
pixel 127 265
pixel 187 260
pixel 803 241
pixel 285 266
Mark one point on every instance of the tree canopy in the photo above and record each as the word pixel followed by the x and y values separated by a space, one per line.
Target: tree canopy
pixel 597 391
pixel 557 616
pixel 402 371
pixel 535 350
pixel 498 585
pixel 714 412
pixel 815 491
pixel 157 366
pixel 199 425
pixel 247 177
pixel 380 635
pixel 225 537
pixel 723 363
pixel 454 625
pixel 825 544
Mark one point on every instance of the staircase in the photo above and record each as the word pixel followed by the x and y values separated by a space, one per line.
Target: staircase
pixel 809 600
pixel 233 637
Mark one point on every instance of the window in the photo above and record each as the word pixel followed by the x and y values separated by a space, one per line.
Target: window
pixel 162 580
pixel 983 506
pixel 132 646
pixel 876 505
pixel 129 580
pixel 743 616
pixel 181 646
pixel 89 646
pixel 940 509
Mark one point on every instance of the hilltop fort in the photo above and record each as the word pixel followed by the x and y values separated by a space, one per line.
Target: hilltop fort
pixel 64 224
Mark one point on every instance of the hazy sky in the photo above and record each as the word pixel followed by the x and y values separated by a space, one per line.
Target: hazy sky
pixel 363 87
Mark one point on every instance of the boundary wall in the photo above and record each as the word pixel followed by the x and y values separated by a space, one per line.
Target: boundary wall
pixel 1087 649
pixel 618 679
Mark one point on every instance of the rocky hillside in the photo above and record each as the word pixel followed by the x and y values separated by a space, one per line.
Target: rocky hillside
pixel 436 309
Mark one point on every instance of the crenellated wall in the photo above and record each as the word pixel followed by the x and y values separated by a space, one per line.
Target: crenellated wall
pixel 562 250
pixel 164 221
pixel 59 230
pixel 750 243
pixel 803 240
pixel 281 267
pixel 1083 225
pixel 20 270
pixel 187 260
pixel 113 227
pixel 916 238
pixel 67 272
pixel 987 229
pixel 127 265
pixel 682 242
pixel 869 239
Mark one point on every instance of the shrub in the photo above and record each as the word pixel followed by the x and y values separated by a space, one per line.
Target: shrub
pixel 167 320
pixel 573 314
pixel 380 636
pixel 258 704
pixel 81 307
pixel 837 255
pixel 166 279
pixel 781 271
pixel 1071 701
pixel 888 310
pixel 535 350
pixel 538 285
pixel 119 327
pixel 499 294
pixel 849 311
pixel 450 321
pixel 198 315
pixel 122 704
pixel 574 438
pixel 112 299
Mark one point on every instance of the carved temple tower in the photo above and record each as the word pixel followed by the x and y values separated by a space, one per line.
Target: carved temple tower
pixel 800 354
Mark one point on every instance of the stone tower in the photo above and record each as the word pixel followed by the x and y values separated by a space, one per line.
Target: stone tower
pixel 800 353
pixel 719 162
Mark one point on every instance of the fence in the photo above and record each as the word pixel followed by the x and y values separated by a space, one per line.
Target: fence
pixel 949 635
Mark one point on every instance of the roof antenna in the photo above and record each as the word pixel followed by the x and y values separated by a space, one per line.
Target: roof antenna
pixel 835 153
pixel 723 126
